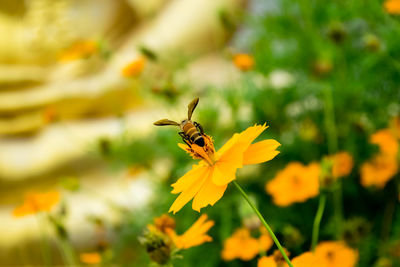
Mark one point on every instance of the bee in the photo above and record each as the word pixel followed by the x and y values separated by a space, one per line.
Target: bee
pixel 192 132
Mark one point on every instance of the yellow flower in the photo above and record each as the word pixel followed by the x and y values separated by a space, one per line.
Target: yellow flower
pixel 386 141
pixel 134 68
pixel 79 50
pixel 37 202
pixel 336 253
pixel 243 246
pixel 194 236
pixel 267 262
pixel 90 258
pixel 392 6
pixel 342 164
pixel 309 259
pixel 243 62
pixel 207 181
pixel 295 183
pixel 378 171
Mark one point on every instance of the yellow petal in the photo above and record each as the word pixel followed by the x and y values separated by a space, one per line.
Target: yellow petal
pixel 189 178
pixel 261 152
pixel 209 194
pixel 223 173
pixel 191 188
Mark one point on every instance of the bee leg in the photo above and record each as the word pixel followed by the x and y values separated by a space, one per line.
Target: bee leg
pixel 198 127
pixel 184 138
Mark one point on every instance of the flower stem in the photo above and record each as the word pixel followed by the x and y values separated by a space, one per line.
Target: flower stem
pixel 330 127
pixel 317 220
pixel 44 244
pixel 271 233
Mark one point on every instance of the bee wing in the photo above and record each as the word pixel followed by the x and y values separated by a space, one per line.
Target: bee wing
pixel 192 106
pixel 164 122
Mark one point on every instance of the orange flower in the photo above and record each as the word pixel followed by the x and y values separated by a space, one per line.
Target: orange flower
pixel 194 236
pixel 378 171
pixel 295 183
pixel 392 6
pixel 90 258
pixel 134 68
pixel 207 181
pixel 342 164
pixel 243 62
pixel 37 202
pixel 336 253
pixel 267 262
pixel 386 141
pixel 309 259
pixel 78 50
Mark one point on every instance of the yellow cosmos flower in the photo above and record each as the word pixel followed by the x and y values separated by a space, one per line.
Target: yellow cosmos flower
pixel 336 253
pixel 342 164
pixel 383 166
pixel 194 236
pixel 378 171
pixel 207 181
pixel 243 62
pixel 79 50
pixel 267 262
pixel 134 68
pixel 392 6
pixel 90 258
pixel 241 245
pixel 386 141
pixel 309 259
pixel 295 183
pixel 37 202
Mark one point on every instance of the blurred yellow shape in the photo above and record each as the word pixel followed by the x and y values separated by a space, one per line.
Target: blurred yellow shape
pixel 295 183
pixel 392 6
pixel 243 62
pixel 134 68
pixel 37 202
pixel 378 171
pixel 386 141
pixel 194 236
pixel 79 50
pixel 336 253
pixel 309 259
pixel 241 245
pixel 90 258
pixel 342 164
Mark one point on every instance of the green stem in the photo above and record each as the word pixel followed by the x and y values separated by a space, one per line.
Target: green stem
pixel 317 220
pixel 330 128
pixel 68 252
pixel 44 245
pixel 271 233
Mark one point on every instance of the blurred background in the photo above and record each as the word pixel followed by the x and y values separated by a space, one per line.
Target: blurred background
pixel 82 81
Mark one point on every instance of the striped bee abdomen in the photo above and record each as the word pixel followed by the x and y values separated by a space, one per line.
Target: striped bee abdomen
pixel 194 136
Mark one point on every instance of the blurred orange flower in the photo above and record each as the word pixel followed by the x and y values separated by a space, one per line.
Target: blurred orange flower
pixel 90 258
pixel 37 202
pixel 392 6
pixel 386 141
pixel 243 62
pixel 241 245
pixel 342 164
pixel 79 50
pixel 134 68
pixel 378 171
pixel 194 236
pixel 309 259
pixel 267 262
pixel 207 181
pixel 383 166
pixel 336 253
pixel 295 183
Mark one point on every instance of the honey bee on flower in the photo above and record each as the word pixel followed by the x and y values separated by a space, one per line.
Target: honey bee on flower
pixel 207 181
